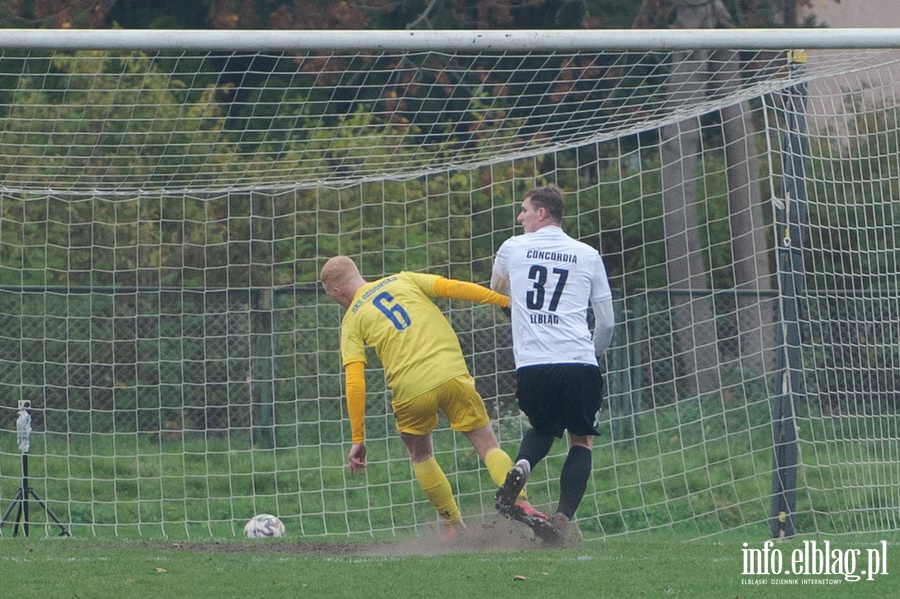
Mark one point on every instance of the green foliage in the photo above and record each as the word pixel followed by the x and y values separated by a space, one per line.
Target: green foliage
pixel 137 122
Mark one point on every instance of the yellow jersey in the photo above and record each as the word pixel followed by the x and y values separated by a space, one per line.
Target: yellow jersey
pixel 417 347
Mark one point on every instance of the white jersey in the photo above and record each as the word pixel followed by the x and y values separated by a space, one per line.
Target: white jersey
pixel 552 279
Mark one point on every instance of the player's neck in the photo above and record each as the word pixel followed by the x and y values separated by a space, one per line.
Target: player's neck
pixel 548 225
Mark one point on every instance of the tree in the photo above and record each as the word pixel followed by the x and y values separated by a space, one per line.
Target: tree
pixel 57 14
pixel 693 72
pixel 381 14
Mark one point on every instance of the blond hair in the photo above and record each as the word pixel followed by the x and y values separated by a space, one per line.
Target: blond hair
pixel 338 271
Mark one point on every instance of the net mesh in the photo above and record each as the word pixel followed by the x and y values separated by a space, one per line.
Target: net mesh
pixel 163 216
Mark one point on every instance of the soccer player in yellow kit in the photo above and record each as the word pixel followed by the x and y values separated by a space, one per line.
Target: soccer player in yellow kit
pixel 424 368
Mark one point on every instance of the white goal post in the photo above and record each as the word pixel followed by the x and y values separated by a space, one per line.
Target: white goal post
pixel 168 197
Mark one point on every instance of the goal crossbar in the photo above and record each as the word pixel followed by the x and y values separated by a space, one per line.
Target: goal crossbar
pixel 449 40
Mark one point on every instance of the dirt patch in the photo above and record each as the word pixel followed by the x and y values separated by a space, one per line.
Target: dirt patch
pixel 499 536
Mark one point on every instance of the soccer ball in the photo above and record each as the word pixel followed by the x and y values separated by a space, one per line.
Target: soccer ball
pixel 263 526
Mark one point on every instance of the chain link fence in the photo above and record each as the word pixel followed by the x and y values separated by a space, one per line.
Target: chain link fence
pixel 248 361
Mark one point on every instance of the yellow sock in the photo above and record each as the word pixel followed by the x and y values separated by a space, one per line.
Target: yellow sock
pixel 498 464
pixel 437 488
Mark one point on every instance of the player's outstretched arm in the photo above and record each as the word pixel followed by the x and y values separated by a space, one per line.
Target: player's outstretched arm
pixel 463 290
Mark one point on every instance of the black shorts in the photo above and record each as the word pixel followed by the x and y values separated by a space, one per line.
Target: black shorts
pixel 560 397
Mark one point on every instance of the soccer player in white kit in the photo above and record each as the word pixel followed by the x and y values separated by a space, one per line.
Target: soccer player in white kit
pixel 551 279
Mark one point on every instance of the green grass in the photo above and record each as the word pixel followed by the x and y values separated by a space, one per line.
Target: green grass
pixel 647 565
pixel 700 467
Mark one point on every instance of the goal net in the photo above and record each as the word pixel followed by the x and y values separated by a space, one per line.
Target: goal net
pixel 164 212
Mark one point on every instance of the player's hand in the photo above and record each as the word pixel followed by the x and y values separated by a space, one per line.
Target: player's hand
pixel 357 458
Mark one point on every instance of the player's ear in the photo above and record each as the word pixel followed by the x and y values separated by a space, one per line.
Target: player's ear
pixel 333 291
pixel 341 297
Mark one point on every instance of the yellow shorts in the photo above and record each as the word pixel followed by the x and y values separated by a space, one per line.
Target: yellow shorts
pixel 456 398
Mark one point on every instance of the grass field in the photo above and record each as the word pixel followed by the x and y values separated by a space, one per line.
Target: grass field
pixel 645 565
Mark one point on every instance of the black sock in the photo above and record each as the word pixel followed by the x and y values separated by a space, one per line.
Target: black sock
pixel 573 479
pixel 534 447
